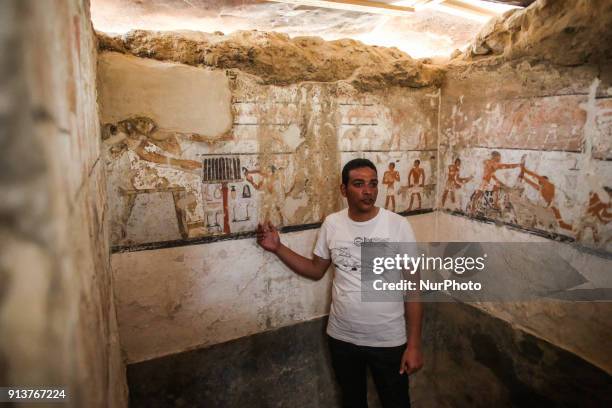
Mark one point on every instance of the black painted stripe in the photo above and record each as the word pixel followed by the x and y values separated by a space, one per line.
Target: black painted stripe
pixel 228 237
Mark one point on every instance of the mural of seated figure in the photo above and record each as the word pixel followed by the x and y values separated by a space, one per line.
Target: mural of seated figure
pixel 141 136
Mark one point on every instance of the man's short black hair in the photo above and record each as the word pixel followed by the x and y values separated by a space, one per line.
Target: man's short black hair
pixel 355 164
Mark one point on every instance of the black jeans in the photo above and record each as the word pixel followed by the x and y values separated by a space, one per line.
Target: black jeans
pixel 350 362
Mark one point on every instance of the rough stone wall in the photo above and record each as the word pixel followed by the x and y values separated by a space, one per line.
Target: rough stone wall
pixel 563 32
pixel 57 316
pixel 277 59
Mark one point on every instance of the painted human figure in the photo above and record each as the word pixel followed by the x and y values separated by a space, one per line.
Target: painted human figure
pixel 489 181
pixel 453 181
pixel 269 183
pixel 249 176
pixel 598 212
pixel 547 192
pixel 141 136
pixel 416 182
pixel 389 179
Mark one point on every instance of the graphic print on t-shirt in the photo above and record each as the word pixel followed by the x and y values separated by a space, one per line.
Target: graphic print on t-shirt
pixel 344 260
pixel 347 254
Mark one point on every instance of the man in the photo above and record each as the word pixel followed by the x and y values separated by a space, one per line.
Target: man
pixel 416 182
pixel 360 334
pixel 454 181
pixel 389 179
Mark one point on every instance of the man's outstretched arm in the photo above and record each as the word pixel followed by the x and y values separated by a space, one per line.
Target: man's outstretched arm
pixel 268 239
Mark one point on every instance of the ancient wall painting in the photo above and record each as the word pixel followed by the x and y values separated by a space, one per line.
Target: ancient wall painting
pixel 545 123
pixel 183 164
pixel 594 223
pixel 602 143
pixel 390 182
pixel 454 182
pixel 218 175
pixel 413 118
pixel 520 187
pixel 362 128
pixel 394 121
pixel 541 191
pixel 593 226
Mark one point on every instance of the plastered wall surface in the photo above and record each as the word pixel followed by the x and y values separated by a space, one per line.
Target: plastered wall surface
pixel 57 316
pixel 176 299
pixel 177 97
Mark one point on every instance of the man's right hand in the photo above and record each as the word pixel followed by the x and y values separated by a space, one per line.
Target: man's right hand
pixel 267 237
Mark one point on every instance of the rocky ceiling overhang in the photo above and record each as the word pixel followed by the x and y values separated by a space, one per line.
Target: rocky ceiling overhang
pixel 425 28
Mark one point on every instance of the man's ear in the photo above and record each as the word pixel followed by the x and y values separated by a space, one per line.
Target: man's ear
pixel 343 190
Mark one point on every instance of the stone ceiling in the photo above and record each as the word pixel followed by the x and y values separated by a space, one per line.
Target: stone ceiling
pixel 425 34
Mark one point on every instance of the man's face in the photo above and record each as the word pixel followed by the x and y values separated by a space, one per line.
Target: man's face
pixel 416 164
pixel 362 189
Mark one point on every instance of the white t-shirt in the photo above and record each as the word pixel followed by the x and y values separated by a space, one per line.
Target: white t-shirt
pixel 376 324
